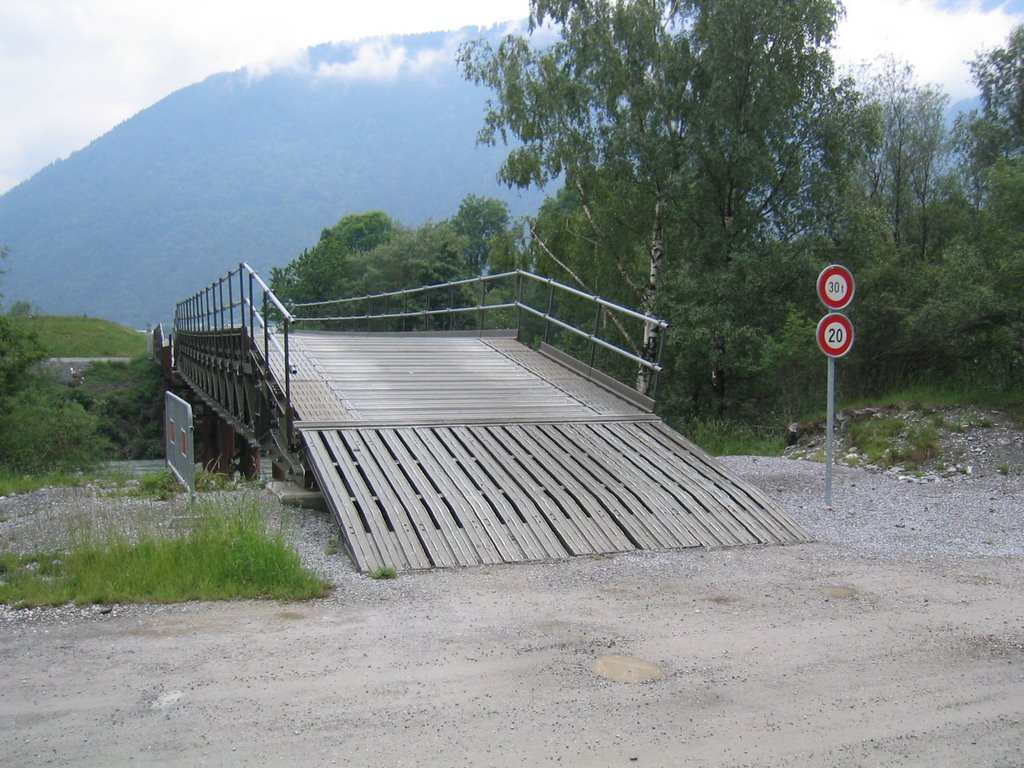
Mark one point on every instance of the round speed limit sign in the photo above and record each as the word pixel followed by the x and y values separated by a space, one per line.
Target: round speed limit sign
pixel 835 334
pixel 836 287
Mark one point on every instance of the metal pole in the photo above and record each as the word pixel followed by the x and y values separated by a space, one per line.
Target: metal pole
pixel 231 303
pixel 830 416
pixel 266 335
pixel 597 327
pixel 483 303
pixel 519 307
pixel 287 387
pixel 551 303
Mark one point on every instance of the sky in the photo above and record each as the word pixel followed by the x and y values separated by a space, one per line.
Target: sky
pixel 71 70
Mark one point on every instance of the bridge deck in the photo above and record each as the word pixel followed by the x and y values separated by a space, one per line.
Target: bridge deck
pixel 442 451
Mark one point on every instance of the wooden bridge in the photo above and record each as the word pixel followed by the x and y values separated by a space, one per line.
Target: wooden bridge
pixel 439 440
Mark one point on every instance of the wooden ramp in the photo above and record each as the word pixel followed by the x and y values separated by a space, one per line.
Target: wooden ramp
pixel 442 451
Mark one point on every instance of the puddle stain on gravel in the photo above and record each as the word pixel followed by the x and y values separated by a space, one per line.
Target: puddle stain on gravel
pixel 839 593
pixel 626 669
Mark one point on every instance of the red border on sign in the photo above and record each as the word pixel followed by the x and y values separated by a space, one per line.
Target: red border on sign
pixel 829 272
pixel 844 321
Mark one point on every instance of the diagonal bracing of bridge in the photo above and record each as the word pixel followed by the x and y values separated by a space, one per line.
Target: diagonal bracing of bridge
pixel 445 451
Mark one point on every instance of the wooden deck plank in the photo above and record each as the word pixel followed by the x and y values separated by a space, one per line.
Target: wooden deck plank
pixel 391 552
pixel 423 546
pixel 461 451
pixel 523 520
pixel 431 491
pixel 662 511
pixel 576 493
pixel 591 470
pixel 362 548
pixel 562 525
pixel 491 546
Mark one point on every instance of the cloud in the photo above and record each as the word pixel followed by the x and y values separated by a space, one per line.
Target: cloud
pixel 938 37
pixel 384 59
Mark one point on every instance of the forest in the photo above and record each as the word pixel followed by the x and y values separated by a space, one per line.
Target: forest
pixel 709 162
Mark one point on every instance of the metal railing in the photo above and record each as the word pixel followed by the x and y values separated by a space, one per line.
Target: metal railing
pixel 440 309
pixel 241 300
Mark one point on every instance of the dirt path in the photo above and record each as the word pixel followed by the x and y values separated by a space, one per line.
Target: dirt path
pixel 801 656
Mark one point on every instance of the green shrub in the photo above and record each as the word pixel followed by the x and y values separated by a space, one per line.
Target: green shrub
pixel 228 551
pixel 43 430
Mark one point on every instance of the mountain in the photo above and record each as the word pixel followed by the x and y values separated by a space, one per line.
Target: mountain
pixel 249 166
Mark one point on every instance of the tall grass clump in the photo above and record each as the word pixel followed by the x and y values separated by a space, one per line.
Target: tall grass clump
pixel 227 551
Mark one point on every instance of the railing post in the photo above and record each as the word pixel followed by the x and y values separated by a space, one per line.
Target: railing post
pixel 266 334
pixel 547 315
pixel 426 314
pixel 231 303
pixel 597 327
pixel 519 305
pixel 451 306
pixel 483 303
pixel 661 360
pixel 252 310
pixel 241 302
pixel 287 386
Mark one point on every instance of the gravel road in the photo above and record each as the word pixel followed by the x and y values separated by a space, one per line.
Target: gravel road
pixel 895 639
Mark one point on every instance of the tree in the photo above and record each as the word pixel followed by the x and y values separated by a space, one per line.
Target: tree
pixel 687 132
pixel 910 147
pixel 321 273
pixel 483 221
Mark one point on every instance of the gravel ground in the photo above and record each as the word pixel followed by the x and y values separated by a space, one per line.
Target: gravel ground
pixel 896 638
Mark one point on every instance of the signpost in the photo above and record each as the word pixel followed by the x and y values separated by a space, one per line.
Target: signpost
pixel 835 338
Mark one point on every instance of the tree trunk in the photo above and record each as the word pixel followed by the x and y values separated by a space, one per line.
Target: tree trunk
pixel 652 332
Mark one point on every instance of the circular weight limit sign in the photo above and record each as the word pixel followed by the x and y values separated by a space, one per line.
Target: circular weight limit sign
pixel 835 334
pixel 836 287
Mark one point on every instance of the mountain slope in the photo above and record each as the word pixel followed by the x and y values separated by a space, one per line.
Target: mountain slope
pixel 247 167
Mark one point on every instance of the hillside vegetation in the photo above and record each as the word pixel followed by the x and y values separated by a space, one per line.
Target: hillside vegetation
pixel 83 337
pixel 110 409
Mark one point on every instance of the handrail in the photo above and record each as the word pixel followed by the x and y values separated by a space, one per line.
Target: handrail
pixel 209 310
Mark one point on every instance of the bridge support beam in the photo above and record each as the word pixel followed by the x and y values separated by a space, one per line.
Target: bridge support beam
pixel 225 451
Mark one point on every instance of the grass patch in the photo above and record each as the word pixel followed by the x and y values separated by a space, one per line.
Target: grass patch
pixel 721 437
pixel 938 397
pixel 84 337
pixel 889 440
pixel 14 482
pixel 382 573
pixel 228 551
pixel 162 485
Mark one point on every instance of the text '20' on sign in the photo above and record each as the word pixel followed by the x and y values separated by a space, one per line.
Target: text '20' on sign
pixel 836 287
pixel 835 334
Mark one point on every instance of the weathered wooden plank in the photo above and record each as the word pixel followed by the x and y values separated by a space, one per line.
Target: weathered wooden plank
pixel 362 547
pixel 526 487
pixel 431 491
pixel 417 536
pixel 524 523
pixel 664 513
pixel 682 480
pixel 491 546
pixel 630 509
pixel 391 553
pixel 575 490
